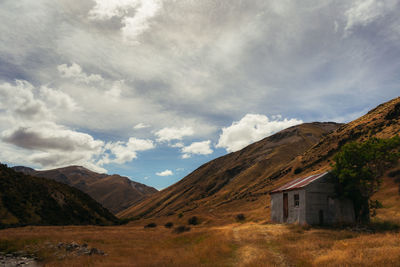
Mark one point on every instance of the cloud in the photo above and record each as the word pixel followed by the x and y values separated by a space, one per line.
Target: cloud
pixel 57 99
pixel 364 12
pixel 251 128
pixel 178 144
pixel 75 72
pixel 50 146
pixel 198 148
pixel 19 100
pixel 49 136
pixel 165 173
pixel 141 125
pixel 171 133
pixel 121 152
pixel 134 14
pixel 115 91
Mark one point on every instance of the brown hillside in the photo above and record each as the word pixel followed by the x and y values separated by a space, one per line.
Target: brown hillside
pixel 241 181
pixel 233 179
pixel 114 192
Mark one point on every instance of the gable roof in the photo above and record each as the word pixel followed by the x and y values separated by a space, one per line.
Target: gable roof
pixel 299 183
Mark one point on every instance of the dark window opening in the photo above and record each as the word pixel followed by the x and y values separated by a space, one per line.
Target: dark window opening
pixel 296 200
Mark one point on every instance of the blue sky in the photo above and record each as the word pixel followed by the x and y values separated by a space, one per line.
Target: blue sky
pixel 152 89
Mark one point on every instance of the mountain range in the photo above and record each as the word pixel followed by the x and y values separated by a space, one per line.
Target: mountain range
pixel 28 200
pixel 114 192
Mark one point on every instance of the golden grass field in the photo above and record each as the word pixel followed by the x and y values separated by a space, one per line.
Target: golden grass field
pixel 236 244
pixel 220 241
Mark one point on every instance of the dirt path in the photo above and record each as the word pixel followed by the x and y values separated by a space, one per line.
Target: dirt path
pixel 255 245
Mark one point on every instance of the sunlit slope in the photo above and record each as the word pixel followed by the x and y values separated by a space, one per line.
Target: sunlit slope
pixel 236 178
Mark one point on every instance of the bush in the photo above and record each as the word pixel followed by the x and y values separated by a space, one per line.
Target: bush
pixel 240 217
pixel 181 229
pixel 298 170
pixel 180 215
pixel 193 220
pixel 168 225
pixel 150 225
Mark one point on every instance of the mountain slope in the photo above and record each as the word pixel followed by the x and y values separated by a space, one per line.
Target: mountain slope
pixel 241 181
pixel 114 192
pixel 27 200
pixel 234 176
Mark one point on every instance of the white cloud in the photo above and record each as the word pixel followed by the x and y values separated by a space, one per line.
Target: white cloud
pixel 115 91
pixel 141 125
pixel 165 173
pixel 134 22
pixel 122 152
pixel 37 139
pixel 20 101
pixel 75 72
pixel 199 148
pixel 178 144
pixel 171 133
pixel 251 128
pixel 57 99
pixel 363 12
pixel 50 146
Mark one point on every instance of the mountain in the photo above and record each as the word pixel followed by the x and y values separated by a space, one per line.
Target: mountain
pixel 114 192
pixel 28 200
pixel 232 180
pixel 241 181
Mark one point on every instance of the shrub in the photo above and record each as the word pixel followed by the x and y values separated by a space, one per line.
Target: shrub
pixel 181 229
pixel 298 170
pixel 168 225
pixel 180 215
pixel 193 220
pixel 240 217
pixel 150 225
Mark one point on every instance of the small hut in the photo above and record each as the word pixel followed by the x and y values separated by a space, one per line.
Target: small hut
pixel 310 200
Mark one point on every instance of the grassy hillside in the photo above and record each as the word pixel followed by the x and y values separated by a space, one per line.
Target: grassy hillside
pixel 235 181
pixel 27 200
pixel 114 192
pixel 240 181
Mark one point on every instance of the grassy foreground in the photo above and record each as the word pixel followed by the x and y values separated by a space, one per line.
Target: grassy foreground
pixel 246 244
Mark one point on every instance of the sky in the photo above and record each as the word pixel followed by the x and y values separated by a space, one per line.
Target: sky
pixel 152 89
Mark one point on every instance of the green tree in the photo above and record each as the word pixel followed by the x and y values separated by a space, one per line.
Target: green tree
pixel 359 168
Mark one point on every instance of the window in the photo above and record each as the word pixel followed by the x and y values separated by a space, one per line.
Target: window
pixel 296 200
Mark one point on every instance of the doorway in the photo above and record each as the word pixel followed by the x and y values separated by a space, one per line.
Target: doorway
pixel 285 207
pixel 321 217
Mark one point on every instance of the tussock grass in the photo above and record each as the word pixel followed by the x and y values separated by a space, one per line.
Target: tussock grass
pixel 238 244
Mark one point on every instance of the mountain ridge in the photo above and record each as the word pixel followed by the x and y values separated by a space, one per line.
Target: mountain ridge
pixel 241 181
pixel 29 200
pixel 114 192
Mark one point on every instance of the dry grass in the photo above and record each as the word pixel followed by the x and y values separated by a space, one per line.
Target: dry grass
pixel 239 244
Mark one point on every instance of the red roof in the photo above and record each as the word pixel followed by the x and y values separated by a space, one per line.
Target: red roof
pixel 299 183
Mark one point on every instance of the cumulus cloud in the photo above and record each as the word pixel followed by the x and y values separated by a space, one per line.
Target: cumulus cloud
pixel 75 72
pixel 251 128
pixel 19 100
pixel 172 133
pixel 122 152
pixel 165 173
pixel 57 99
pixel 198 148
pixel 49 136
pixel 51 145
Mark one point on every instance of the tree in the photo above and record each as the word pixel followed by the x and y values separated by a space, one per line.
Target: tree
pixel 359 168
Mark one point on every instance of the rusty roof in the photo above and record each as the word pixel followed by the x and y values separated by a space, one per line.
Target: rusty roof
pixel 299 183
